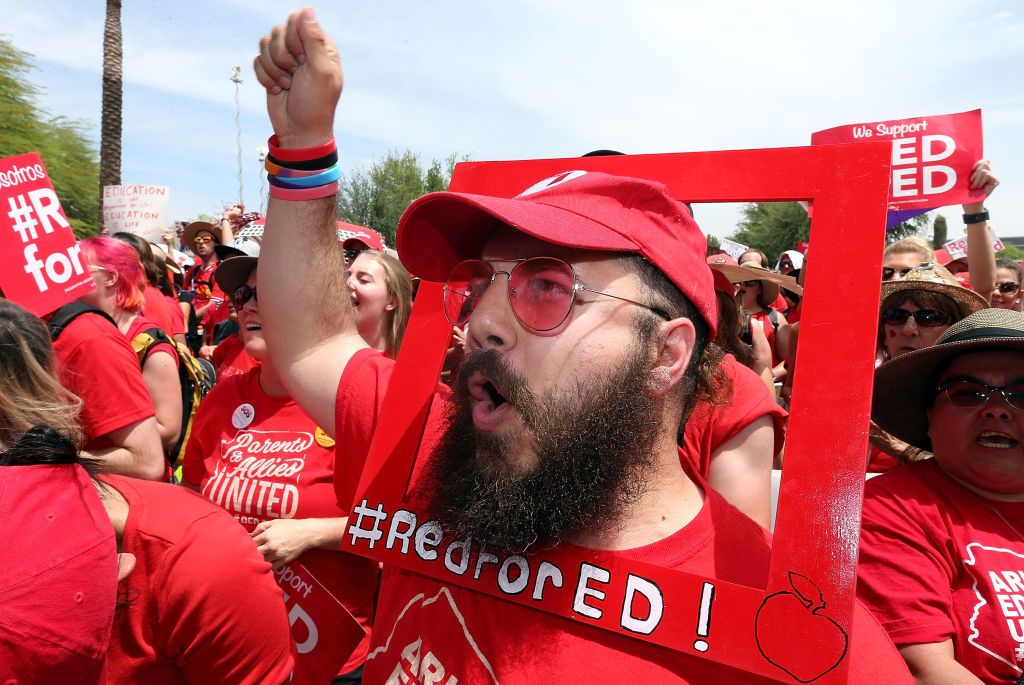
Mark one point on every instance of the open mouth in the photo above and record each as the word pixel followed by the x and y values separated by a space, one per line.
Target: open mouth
pixel 253 327
pixel 996 440
pixel 490 406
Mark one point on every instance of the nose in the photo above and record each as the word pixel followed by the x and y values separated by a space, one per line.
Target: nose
pixel 997 407
pixel 492 324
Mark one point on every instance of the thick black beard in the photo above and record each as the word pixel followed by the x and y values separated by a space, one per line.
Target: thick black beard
pixel 594 448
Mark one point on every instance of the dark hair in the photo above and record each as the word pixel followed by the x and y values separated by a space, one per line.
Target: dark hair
pixel 729 328
pixel 44 445
pixel 1011 265
pixel 663 294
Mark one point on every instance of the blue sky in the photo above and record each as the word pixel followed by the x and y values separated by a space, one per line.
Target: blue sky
pixel 539 78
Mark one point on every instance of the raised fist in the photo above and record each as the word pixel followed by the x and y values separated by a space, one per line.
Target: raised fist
pixel 300 68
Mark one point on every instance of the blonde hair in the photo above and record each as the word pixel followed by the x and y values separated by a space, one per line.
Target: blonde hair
pixel 399 285
pixel 912 244
pixel 30 394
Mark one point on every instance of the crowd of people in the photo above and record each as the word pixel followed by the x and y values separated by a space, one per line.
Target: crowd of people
pixel 180 447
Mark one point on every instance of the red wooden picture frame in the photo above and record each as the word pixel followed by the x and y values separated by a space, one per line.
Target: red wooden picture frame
pixel 818 519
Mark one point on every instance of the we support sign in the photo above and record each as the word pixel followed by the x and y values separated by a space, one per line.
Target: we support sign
pixel 932 158
pixel 40 266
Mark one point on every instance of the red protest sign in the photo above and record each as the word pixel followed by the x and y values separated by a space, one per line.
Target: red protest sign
pixel 932 157
pixel 324 632
pixel 802 625
pixel 40 267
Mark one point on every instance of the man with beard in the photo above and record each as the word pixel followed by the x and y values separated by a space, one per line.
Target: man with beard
pixel 589 303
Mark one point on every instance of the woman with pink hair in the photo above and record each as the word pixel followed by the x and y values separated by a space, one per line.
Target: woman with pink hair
pixel 120 280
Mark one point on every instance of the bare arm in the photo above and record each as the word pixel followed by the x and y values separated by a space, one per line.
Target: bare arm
pixel 160 374
pixel 741 470
pixel 981 258
pixel 135 451
pixel 300 261
pixel 933 664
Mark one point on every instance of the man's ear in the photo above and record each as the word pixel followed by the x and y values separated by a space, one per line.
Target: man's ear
pixel 677 338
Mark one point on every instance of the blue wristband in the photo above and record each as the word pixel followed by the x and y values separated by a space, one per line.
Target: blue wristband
pixel 329 175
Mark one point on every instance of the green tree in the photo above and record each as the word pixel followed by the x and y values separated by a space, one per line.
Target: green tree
pixel 940 232
pixel 69 156
pixel 914 226
pixel 773 227
pixel 714 243
pixel 1010 252
pixel 377 196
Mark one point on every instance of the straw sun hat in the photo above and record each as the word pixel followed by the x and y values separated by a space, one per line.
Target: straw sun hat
pixel 771 282
pixel 905 386
pixel 937 279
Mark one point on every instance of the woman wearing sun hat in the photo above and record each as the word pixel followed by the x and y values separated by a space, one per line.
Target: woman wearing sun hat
pixel 942 548
pixel 914 312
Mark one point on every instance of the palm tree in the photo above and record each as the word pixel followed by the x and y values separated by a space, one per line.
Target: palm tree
pixel 110 126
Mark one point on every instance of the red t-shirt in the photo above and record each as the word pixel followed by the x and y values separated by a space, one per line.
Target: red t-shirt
pixel 96 363
pixel 231 359
pixel 429 631
pixel 710 426
pixel 202 605
pixel 156 309
pixel 177 316
pixel 141 324
pixel 280 465
pixel 938 562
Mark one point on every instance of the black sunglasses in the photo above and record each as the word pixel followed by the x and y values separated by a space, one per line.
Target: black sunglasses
pixel 928 318
pixel 1007 287
pixel 243 294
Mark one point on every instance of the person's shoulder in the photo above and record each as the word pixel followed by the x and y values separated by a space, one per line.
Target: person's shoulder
pixel 918 478
pixel 91 330
pixel 168 512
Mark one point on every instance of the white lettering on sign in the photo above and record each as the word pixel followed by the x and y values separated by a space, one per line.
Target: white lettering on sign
pixel 513 574
pixel 914 172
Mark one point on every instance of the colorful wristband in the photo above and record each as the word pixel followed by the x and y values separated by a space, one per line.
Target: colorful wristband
pixel 309 165
pixel 304 193
pixel 329 176
pixel 299 154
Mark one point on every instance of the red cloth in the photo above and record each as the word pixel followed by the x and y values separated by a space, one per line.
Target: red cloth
pixel 156 308
pixel 781 304
pixel 933 554
pixel 96 363
pixel 203 606
pixel 879 461
pixel 231 359
pixel 200 280
pixel 59 588
pixel 283 454
pixel 710 426
pixel 141 324
pixel 427 631
pixel 177 317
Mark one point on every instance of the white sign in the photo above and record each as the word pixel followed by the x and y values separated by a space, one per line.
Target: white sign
pixel 141 210
pixel 732 248
pixel 957 249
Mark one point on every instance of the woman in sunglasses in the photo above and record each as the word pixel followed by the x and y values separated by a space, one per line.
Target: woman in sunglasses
pixel 1006 293
pixel 942 544
pixel 915 311
pixel 919 308
pixel 255 453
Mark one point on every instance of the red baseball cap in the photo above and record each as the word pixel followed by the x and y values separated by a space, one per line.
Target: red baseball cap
pixel 59 583
pixel 579 209
pixel 355 237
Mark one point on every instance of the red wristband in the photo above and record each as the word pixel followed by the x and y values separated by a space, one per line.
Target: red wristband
pixel 299 154
pixel 314 193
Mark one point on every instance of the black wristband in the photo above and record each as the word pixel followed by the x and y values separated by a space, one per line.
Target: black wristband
pixel 976 218
pixel 324 162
